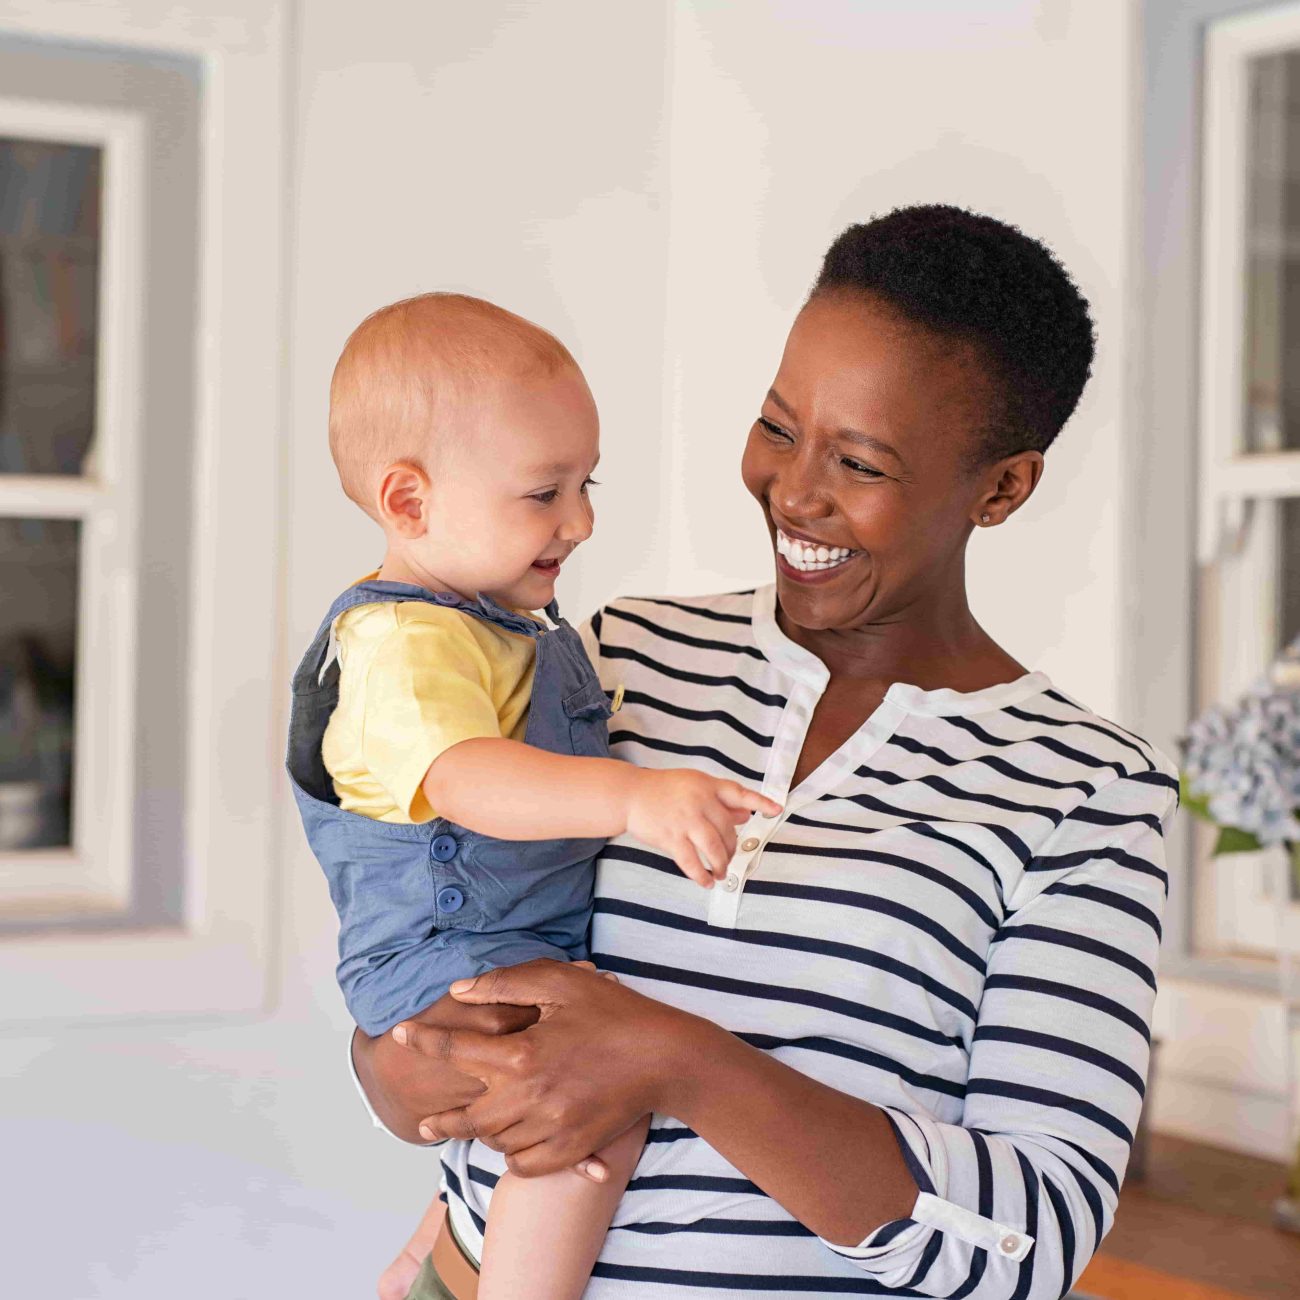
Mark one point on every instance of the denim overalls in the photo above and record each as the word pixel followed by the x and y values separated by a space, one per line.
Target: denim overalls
pixel 420 906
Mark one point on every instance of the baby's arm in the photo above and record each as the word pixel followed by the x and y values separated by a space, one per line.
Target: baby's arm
pixel 513 791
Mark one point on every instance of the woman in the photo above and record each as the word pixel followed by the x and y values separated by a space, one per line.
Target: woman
pixel 901 1049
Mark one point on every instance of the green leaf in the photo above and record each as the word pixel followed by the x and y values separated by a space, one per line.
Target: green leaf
pixel 1196 804
pixel 1232 840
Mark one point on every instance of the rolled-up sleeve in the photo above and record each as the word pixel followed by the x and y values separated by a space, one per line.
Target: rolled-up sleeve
pixel 1015 1199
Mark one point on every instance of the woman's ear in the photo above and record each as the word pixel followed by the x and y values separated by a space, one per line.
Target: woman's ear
pixel 1007 485
pixel 404 499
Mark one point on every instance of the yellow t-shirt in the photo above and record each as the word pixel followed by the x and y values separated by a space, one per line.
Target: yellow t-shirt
pixel 415 679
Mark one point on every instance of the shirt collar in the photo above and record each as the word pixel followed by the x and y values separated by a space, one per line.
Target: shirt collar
pixel 790 657
pixel 795 661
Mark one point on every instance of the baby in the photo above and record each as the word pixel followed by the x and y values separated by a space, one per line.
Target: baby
pixel 448 747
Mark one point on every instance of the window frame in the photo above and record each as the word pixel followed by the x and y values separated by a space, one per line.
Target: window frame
pixel 217 960
pixel 1161 490
pixel 93 874
pixel 1239 489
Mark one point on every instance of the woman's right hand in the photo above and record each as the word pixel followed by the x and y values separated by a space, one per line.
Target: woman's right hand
pixel 692 817
pixel 405 1086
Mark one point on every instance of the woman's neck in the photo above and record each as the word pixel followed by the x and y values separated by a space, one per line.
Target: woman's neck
pixel 933 643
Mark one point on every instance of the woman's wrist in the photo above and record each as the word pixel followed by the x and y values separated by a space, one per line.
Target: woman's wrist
pixel 689 1054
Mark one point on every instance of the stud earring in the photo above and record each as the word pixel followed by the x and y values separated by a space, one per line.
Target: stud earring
pixel 984 519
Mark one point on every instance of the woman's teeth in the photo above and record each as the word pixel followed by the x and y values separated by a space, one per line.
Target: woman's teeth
pixel 807 556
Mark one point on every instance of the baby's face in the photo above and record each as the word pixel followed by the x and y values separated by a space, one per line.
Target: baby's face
pixel 510 500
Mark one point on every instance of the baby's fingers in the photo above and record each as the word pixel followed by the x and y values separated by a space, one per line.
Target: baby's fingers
pixel 724 822
pixel 712 847
pixel 738 797
pixel 689 864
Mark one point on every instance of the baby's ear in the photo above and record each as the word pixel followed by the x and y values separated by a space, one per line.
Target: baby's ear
pixel 404 499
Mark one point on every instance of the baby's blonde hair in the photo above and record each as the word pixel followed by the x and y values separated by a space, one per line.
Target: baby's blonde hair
pixel 404 368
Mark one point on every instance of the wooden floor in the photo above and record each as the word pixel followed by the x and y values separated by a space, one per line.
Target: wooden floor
pixel 1197 1227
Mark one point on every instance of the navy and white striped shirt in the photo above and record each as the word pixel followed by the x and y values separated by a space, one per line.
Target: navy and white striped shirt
pixel 956 917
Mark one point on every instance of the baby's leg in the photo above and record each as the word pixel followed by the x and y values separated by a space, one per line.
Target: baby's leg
pixel 395 1281
pixel 543 1234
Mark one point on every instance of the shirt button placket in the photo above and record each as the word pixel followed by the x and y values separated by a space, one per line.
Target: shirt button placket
pixel 724 905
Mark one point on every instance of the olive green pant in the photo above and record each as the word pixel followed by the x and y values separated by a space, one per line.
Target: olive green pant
pixel 428 1285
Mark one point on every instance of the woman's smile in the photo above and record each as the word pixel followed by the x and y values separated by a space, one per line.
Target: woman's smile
pixel 807 560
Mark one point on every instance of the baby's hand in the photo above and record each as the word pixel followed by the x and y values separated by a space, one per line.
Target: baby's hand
pixel 693 818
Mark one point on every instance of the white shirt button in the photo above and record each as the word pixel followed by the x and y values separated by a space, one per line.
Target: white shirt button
pixel 732 883
pixel 749 845
pixel 1009 1244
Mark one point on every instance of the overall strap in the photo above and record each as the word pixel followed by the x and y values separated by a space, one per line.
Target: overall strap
pixel 487 608
pixel 321 653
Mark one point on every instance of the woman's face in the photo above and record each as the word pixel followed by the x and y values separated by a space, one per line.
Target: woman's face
pixel 862 447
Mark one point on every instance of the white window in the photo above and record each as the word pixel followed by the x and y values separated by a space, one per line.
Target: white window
pixel 140 758
pixel 71 252
pixel 1249 509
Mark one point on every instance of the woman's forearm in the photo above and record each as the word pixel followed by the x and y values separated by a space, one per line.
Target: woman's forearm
pixel 830 1159
pixel 603 1055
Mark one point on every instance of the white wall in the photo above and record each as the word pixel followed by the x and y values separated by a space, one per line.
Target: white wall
pixel 665 211
pixel 514 151
pixel 791 120
pixel 655 182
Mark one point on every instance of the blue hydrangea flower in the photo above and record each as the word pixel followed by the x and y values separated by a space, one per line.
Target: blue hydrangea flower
pixel 1244 758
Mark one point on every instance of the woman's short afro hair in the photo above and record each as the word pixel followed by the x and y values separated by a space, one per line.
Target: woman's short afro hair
pixel 982 282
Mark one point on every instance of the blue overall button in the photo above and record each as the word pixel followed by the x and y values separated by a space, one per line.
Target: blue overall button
pixel 443 848
pixel 446 597
pixel 450 899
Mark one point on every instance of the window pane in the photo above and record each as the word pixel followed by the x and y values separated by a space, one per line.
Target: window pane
pixel 38 635
pixel 1288 609
pixel 49 274
pixel 1273 255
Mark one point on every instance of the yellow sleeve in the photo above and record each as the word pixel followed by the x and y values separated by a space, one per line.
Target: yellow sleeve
pixel 429 686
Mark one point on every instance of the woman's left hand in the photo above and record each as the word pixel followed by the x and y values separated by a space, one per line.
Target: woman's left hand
pixel 599 1058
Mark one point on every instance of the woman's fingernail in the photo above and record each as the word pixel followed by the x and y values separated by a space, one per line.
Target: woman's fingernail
pixel 427 1133
pixel 400 1034
pixel 461 985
